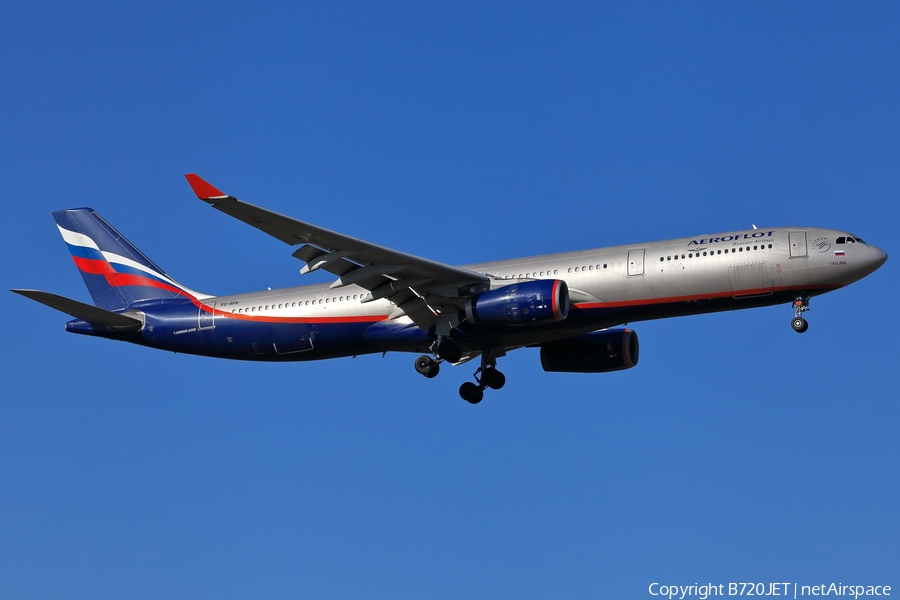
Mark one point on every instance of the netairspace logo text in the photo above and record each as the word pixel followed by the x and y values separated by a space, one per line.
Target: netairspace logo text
pixel 781 588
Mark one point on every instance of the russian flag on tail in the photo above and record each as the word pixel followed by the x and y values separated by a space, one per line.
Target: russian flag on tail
pixel 116 273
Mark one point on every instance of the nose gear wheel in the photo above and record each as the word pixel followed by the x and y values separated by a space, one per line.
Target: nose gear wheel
pixel 801 305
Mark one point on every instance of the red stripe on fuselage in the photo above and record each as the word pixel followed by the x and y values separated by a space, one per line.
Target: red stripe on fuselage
pixel 709 296
pixel 270 319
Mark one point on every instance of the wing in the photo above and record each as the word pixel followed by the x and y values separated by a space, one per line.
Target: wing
pixel 429 292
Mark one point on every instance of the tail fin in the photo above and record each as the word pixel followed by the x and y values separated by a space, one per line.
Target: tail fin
pixel 116 273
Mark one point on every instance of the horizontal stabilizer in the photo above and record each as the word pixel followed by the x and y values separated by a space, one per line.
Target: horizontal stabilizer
pixel 85 312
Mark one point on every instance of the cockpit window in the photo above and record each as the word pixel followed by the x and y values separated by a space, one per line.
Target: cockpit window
pixel 849 240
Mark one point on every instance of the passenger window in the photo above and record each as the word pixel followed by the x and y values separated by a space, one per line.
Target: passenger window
pixel 570 269
pixel 591 268
pixel 604 264
pixel 661 259
pixel 555 271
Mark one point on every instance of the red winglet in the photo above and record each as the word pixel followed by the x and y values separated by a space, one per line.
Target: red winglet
pixel 203 190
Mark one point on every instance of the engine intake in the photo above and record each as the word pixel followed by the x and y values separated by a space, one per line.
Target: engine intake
pixel 527 303
pixel 598 352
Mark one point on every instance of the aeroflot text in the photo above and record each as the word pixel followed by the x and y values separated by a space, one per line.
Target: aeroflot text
pixel 730 238
pixel 702 592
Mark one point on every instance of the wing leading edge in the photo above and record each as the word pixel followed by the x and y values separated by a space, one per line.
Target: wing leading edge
pixel 429 292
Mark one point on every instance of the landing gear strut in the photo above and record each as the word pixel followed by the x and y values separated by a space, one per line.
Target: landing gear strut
pixel 487 376
pixel 445 348
pixel 801 305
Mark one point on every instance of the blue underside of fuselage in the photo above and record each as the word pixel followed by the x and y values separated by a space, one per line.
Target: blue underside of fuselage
pixel 179 326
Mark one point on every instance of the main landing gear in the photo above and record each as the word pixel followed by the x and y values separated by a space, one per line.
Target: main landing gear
pixel 801 305
pixel 443 349
pixel 427 366
pixel 489 377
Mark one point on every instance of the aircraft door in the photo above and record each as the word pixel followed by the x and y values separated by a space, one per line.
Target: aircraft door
pixel 798 244
pixel 636 262
pixel 206 318
pixel 291 337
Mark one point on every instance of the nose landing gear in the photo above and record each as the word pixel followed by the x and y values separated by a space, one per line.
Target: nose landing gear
pixel 801 305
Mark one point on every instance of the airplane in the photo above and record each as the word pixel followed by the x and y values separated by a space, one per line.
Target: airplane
pixel 572 305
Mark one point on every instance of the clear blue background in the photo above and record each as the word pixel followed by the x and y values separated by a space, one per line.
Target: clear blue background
pixel 736 451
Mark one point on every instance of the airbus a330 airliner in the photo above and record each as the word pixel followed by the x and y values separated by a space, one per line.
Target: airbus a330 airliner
pixel 388 301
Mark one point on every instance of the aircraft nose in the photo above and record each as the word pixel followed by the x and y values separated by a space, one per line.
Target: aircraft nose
pixel 877 256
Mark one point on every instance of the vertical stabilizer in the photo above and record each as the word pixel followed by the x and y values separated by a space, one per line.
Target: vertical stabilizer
pixel 116 273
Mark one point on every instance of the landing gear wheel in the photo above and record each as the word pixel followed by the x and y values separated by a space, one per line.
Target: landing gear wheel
pixel 449 351
pixel 427 366
pixel 493 379
pixel 801 305
pixel 471 393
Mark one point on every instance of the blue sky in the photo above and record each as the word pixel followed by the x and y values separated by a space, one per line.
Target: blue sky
pixel 736 451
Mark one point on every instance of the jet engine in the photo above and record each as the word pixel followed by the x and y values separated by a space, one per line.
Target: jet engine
pixel 597 352
pixel 530 302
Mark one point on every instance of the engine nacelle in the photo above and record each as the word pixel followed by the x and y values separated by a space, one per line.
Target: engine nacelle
pixel 526 303
pixel 598 352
